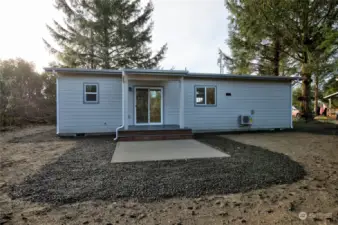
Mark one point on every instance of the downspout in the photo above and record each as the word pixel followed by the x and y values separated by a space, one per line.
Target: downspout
pixel 120 127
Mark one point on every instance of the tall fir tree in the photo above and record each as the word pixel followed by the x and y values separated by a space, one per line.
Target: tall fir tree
pixel 105 34
pixel 255 43
pixel 310 30
pixel 299 30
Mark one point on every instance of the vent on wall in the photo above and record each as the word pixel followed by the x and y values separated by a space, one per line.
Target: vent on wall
pixel 246 120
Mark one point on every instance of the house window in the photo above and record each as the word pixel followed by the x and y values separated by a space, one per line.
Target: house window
pixel 205 96
pixel 91 93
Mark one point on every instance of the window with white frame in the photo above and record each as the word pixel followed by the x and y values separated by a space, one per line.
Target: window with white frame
pixel 205 95
pixel 91 93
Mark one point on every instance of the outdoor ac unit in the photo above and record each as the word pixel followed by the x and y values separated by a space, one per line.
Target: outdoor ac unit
pixel 246 120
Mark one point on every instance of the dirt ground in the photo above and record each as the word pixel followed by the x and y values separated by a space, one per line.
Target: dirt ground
pixel 24 152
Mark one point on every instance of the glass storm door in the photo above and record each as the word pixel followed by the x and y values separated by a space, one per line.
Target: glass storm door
pixel 149 105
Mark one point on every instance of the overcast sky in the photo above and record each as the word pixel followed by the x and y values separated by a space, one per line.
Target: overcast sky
pixel 193 29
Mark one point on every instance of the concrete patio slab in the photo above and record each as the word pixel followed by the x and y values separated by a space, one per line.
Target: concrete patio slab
pixel 163 150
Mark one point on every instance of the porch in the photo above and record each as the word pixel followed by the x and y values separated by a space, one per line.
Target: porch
pixel 154 132
pixel 153 127
pixel 153 106
pixel 152 101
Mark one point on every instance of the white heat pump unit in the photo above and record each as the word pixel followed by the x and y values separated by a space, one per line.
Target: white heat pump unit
pixel 246 120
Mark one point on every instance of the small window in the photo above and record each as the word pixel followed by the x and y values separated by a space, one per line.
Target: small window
pixel 91 93
pixel 205 96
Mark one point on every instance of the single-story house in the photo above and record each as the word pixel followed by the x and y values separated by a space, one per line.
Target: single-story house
pixel 106 101
pixel 332 110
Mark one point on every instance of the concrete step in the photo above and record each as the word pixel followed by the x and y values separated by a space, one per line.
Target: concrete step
pixel 147 137
pixel 154 132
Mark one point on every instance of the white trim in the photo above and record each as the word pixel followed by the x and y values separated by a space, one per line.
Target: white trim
pixel 149 123
pixel 57 104
pixel 181 103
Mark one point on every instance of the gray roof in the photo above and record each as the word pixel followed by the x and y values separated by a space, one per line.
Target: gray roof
pixel 82 71
pixel 182 73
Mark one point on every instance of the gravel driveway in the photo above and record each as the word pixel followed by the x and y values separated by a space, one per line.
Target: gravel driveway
pixel 85 173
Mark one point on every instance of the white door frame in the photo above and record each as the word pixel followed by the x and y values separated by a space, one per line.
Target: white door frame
pixel 149 123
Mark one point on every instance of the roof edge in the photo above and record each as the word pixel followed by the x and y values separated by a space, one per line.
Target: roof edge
pixel 183 73
pixel 86 71
pixel 150 71
pixel 250 77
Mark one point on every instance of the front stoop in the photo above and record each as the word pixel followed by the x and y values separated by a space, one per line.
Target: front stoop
pixel 147 135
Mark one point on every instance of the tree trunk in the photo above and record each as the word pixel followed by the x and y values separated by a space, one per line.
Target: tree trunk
pixel 92 51
pixel 106 56
pixel 316 93
pixel 306 85
pixel 276 57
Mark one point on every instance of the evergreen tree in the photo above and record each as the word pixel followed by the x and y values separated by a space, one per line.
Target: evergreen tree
pixel 255 42
pixel 105 34
pixel 301 30
pixel 310 31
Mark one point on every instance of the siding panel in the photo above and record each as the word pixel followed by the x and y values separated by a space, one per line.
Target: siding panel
pixel 77 117
pixel 269 100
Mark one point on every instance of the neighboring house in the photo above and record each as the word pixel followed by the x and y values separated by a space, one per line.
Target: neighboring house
pixel 99 101
pixel 332 110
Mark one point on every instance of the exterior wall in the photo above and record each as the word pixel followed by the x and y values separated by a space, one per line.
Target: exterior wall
pixel 76 117
pixel 171 97
pixel 271 102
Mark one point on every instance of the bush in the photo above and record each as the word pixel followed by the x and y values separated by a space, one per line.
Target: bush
pixel 25 95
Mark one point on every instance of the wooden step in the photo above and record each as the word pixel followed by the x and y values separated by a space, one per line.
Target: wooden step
pixel 147 137
pixel 154 132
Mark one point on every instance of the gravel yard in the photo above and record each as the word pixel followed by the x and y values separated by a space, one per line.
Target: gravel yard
pixel 85 173
pixel 47 180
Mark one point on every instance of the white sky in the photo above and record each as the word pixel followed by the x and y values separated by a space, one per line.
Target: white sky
pixel 193 29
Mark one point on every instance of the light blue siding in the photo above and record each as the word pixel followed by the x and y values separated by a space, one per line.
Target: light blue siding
pixel 271 102
pixel 77 117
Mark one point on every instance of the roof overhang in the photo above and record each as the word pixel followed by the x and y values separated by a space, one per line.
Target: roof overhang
pixel 177 73
pixel 83 71
pixel 242 77
pixel 155 72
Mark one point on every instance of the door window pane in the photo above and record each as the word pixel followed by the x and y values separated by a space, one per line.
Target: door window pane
pixel 141 105
pixel 155 105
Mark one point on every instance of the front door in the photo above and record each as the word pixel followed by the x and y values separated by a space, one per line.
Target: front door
pixel 148 105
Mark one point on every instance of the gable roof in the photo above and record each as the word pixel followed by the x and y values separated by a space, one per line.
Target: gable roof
pixel 181 73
